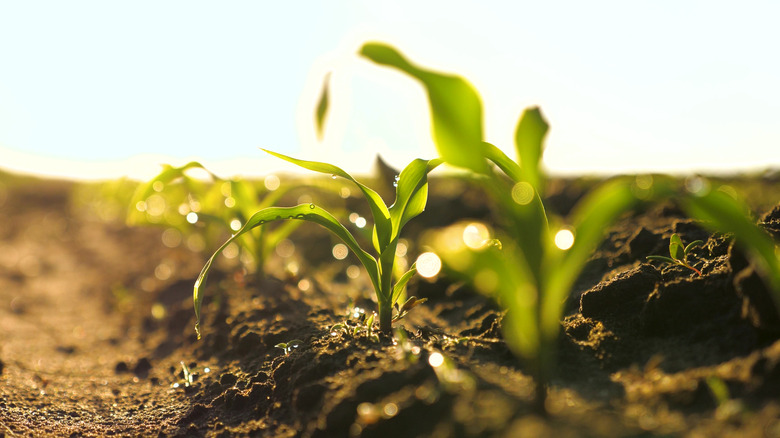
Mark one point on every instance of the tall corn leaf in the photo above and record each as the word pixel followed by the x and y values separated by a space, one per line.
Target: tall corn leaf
pixel 529 139
pixel 411 193
pixel 456 109
pixel 382 224
pixel 306 212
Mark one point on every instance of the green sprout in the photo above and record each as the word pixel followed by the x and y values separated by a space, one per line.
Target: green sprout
pixel 678 254
pixel 287 347
pixel 528 267
pixel 179 201
pixel 410 200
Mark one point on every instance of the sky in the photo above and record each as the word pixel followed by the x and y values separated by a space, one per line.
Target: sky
pixel 103 89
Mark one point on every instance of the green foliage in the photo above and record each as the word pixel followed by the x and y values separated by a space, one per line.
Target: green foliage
pixel 678 253
pixel 411 197
pixel 722 211
pixel 209 209
pixel 525 270
pixel 287 347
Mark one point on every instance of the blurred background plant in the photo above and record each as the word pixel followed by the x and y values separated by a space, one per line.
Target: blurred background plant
pixel 199 208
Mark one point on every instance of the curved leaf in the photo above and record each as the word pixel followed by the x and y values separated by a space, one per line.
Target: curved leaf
pixel 411 193
pixel 307 212
pixel 456 109
pixel 379 210
pixel 529 139
pixel 676 247
pixel 401 283
pixel 500 159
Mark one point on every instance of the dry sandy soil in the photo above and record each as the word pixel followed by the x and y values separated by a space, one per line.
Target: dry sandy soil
pixel 96 335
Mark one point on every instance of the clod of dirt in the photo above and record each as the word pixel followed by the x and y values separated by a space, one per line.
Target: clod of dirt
pixel 644 242
pixel 121 367
pixel 757 304
pixel 683 304
pixel 771 222
pixel 142 368
pixel 623 295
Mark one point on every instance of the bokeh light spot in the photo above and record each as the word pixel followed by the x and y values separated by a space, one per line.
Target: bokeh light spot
pixel 522 193
pixel 272 182
pixel 436 359
pixel 340 251
pixel 428 264
pixel 475 235
pixel 564 239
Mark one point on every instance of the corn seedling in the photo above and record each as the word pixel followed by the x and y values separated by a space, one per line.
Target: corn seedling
pixel 721 211
pixel 410 201
pixel 678 253
pixel 177 200
pixel 528 268
pixel 287 347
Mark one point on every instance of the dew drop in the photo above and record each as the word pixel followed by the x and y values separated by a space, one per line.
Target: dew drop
pixel 333 176
pixel 311 206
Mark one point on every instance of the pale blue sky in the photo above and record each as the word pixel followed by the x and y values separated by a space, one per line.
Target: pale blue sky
pixel 116 88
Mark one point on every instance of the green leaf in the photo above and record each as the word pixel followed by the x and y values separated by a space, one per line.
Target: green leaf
pixel 166 176
pixel 456 109
pixel 529 139
pixel 382 224
pixel 322 107
pixel 692 245
pixel 497 156
pixel 307 212
pixel 676 247
pixel 401 283
pixel 411 193
pixel 662 259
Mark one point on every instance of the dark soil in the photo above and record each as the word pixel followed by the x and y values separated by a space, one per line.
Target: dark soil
pixel 97 339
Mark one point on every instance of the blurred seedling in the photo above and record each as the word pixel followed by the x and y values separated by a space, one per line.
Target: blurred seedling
pixel 678 253
pixel 188 376
pixel 287 347
pixel 204 210
pixel 411 198
pixel 728 408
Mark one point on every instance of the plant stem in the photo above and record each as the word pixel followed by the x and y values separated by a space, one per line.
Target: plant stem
pixel 385 318
pixel 540 398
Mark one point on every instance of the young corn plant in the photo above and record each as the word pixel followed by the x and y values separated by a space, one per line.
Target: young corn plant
pixel 528 268
pixel 411 198
pixel 177 200
pixel 678 253
pixel 531 266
